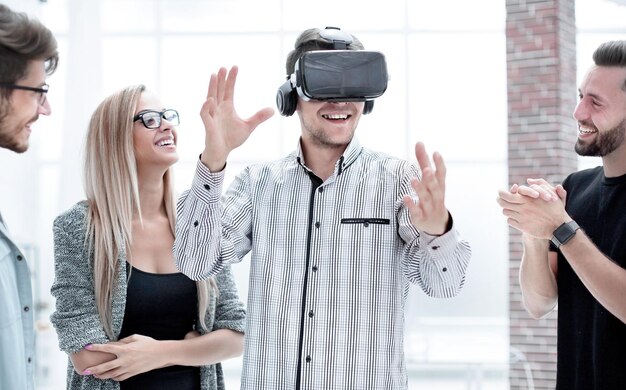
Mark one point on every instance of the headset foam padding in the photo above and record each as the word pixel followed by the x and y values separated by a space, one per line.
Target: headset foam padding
pixel 368 107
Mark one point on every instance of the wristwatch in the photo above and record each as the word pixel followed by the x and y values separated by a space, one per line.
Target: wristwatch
pixel 564 233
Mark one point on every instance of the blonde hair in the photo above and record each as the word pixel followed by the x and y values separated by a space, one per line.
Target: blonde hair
pixel 112 190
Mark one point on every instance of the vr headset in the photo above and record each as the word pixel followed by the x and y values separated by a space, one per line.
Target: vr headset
pixel 335 76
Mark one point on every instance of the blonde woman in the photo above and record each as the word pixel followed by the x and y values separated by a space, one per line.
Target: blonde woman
pixel 124 314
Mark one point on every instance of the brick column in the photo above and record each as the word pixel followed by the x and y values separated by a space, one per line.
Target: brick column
pixel 541 73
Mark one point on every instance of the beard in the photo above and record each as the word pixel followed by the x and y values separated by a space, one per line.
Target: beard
pixel 9 136
pixel 8 139
pixel 9 143
pixel 605 142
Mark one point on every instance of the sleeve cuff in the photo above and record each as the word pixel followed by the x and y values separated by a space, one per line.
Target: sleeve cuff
pixel 442 245
pixel 207 185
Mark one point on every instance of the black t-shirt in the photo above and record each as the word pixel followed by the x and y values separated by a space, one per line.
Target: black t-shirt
pixel 592 341
pixel 164 307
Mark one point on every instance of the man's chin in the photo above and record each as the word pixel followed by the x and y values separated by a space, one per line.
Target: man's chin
pixel 588 150
pixel 14 147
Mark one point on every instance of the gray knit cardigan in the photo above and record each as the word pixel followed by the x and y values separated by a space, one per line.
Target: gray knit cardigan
pixel 76 318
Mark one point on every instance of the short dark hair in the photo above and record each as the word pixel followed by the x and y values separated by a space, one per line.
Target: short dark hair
pixel 311 40
pixel 611 53
pixel 23 39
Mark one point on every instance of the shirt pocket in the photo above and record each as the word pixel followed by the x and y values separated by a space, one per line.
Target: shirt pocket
pixel 370 240
pixel 371 235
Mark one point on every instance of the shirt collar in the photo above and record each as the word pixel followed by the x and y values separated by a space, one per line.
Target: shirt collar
pixel 349 156
pixel 3 228
pixel 351 153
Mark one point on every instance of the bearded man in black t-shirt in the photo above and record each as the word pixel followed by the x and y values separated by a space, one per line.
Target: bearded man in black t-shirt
pixel 574 236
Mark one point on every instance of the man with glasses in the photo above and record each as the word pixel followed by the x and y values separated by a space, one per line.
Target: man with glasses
pixel 28 53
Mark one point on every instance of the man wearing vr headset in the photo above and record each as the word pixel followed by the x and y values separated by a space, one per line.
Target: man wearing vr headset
pixel 337 232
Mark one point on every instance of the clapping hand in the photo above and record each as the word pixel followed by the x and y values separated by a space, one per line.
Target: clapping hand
pixel 535 209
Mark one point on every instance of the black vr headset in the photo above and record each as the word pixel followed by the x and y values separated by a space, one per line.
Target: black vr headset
pixel 335 75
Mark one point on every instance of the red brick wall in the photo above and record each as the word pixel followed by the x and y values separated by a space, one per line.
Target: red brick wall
pixel 541 72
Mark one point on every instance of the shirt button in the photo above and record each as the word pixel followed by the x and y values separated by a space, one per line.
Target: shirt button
pixel 308 359
pixel 444 269
pixel 366 224
pixel 26 308
pixel 19 258
pixel 435 247
pixel 29 360
pixel 196 223
pixel 314 268
pixel 321 189
pixel 207 187
pixel 317 224
pixel 311 314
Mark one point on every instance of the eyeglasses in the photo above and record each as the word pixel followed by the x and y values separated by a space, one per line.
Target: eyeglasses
pixel 42 91
pixel 152 119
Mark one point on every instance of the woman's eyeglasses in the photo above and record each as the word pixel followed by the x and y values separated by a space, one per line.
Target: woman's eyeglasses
pixel 152 119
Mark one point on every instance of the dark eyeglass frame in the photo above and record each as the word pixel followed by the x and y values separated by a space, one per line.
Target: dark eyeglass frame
pixel 42 91
pixel 158 118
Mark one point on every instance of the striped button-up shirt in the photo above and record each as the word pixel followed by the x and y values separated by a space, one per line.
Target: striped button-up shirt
pixel 331 265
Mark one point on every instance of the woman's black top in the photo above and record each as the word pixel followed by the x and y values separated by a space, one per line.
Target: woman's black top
pixel 164 307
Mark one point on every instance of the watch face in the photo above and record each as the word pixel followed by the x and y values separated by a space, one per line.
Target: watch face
pixel 563 232
pixel 566 231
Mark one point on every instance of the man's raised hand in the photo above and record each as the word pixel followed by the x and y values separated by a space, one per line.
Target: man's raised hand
pixel 225 130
